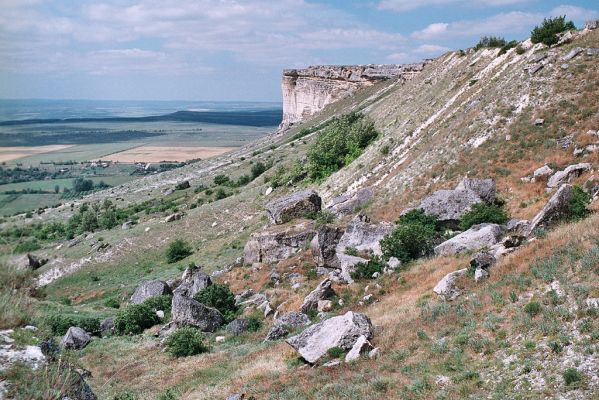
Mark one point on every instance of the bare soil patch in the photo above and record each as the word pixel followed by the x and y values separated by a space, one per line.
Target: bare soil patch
pixel 13 153
pixel 166 153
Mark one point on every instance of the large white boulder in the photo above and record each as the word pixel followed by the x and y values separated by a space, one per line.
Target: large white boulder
pixel 447 287
pixel 475 238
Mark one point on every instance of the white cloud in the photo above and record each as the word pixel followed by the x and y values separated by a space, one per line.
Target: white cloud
pixel 430 49
pixel 409 5
pixel 574 12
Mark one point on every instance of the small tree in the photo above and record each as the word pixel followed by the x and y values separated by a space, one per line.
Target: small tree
pixel 481 213
pixel 258 169
pixel 178 250
pixel 186 341
pixel 220 297
pixel 134 319
pixel 547 32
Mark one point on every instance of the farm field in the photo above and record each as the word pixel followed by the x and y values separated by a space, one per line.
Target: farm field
pixel 15 153
pixel 18 203
pixel 48 185
pixel 165 153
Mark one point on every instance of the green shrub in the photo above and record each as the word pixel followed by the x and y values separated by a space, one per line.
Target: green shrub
pixel 27 246
pixel 335 352
pixel 111 302
pixel 221 194
pixel 532 308
pixel 520 50
pixel 339 143
pixel 157 303
pixel 481 213
pixel 258 169
pixel 254 323
pixel 366 270
pixel 321 217
pixel 59 324
pixel 413 238
pixel 185 342
pixel 221 179
pixel 288 174
pixel 178 250
pixel 490 42
pixel 572 376
pixel 578 203
pixel 218 296
pixel 125 396
pixel 134 319
pixel 509 45
pixel 168 395
pixel 547 32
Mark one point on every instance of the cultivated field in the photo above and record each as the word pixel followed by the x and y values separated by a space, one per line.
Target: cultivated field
pixel 14 153
pixel 166 153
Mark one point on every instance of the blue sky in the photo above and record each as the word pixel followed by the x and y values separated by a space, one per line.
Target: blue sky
pixel 234 50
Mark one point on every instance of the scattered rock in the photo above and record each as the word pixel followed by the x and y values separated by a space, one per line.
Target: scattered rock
pixel 324 305
pixel 173 217
pixel 107 326
pixel 268 191
pixel 182 185
pixel 73 242
pixel 79 389
pixel 590 25
pixel 475 238
pixel 483 260
pixel 126 225
pixel 542 171
pixel 160 314
pixel 238 326
pixel 321 292
pixel 348 203
pixel 484 188
pixel 447 287
pixel 593 52
pixel 566 141
pixel 556 208
pixel 572 53
pixel 480 274
pixel 186 311
pixel 517 226
pixel 193 282
pixel 277 243
pixel 592 302
pixel 539 121
pixel 284 323
pixel 347 264
pixel 150 289
pixel 364 236
pixel 34 262
pixel 567 175
pixel 75 338
pixel 374 353
pixel 535 68
pixel 342 331
pixel 296 205
pixel 361 346
pixel 219 339
pixel 324 246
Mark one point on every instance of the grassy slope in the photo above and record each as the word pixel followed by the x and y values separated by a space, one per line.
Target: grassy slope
pixel 410 361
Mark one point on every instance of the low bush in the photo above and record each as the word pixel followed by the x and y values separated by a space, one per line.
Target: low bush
pixel 572 376
pixel 547 32
pixel 532 308
pixel 335 352
pixel 178 250
pixel 509 45
pixel 14 300
pixel 258 169
pixel 221 180
pixel 413 238
pixel 221 194
pixel 339 143
pixel 134 319
pixel 254 323
pixel 27 246
pixel 59 324
pixel 578 203
pixel 157 303
pixel 185 342
pixel 486 42
pixel 366 270
pixel 483 213
pixel 290 174
pixel 218 296
pixel 111 302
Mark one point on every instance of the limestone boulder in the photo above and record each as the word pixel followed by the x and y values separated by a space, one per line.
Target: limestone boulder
pixel 107 326
pixel 150 289
pixel 75 338
pixel 341 331
pixel 173 217
pixel 193 282
pixel 543 171
pixel 324 246
pixel 347 265
pixel 449 206
pixel 348 203
pixel 34 262
pixel 556 208
pixel 475 238
pixel 286 322
pixel 363 235
pixel 296 205
pixel 567 175
pixel 277 243
pixel 238 326
pixel 485 189
pixel 361 346
pixel 447 287
pixel 186 311
pixel 321 292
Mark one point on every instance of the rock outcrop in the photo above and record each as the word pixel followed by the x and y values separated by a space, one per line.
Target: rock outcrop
pixel 348 203
pixel 192 283
pixel 324 246
pixel 285 322
pixel 556 208
pixel 296 205
pixel 150 289
pixel 342 331
pixel 307 91
pixel 362 235
pixel 321 292
pixel 277 243
pixel 187 311
pixel 475 238
pixel 75 338
pixel 447 287
pixel 567 175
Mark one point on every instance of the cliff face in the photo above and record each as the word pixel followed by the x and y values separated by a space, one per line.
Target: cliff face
pixel 307 91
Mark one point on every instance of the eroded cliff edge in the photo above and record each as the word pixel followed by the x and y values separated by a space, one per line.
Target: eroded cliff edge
pixel 307 91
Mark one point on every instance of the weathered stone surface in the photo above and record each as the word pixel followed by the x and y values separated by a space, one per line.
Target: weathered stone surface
pixel 75 338
pixel 321 292
pixel 79 389
pixel 449 206
pixel 307 91
pixel 447 287
pixel 296 205
pixel 284 323
pixel 342 331
pixel 182 185
pixel 127 225
pixel 591 24
pixel 361 346
pixel 475 238
pixel 480 274
pixel 277 243
pixel 348 203
pixel 542 171
pixel 150 289
pixel 324 305
pixel 34 262
pixel 534 69
pixel 173 217
pixel 186 311
pixel 567 175
pixel 347 265
pixel 107 325
pixel 517 226
pixel 556 208
pixel 238 326
pixel 593 52
pixel 484 188
pixel 364 236
pixel 572 53
pixel 483 260
pixel 193 283
pixel 324 246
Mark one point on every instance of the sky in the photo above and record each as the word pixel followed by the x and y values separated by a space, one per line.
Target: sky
pixel 235 50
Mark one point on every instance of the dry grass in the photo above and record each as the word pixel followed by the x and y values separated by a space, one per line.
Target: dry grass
pixel 166 153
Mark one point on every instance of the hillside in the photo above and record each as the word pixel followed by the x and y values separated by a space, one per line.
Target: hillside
pixel 469 114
